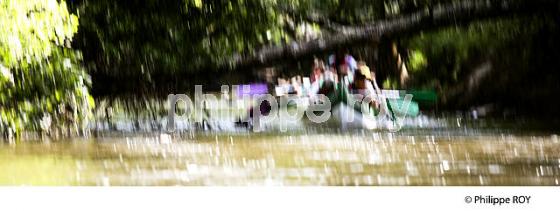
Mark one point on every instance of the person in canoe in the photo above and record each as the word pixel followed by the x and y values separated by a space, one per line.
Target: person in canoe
pixel 363 85
pixel 317 71
pixel 346 66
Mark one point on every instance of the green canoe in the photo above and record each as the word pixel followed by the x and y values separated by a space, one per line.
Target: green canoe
pixel 394 104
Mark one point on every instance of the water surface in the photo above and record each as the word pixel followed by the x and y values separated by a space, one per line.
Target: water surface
pixel 440 157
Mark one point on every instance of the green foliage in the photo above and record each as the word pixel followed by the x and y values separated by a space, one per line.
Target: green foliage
pixel 146 42
pixel 453 52
pixel 149 38
pixel 41 77
pixel 31 29
pixel 417 61
pixel 145 38
pixel 149 41
pixel 390 83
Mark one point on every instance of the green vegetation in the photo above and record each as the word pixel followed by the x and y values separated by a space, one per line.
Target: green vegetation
pixel 136 49
pixel 519 53
pixel 42 77
pixel 458 48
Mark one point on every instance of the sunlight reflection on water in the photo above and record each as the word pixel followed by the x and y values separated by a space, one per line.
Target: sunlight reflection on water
pixel 365 158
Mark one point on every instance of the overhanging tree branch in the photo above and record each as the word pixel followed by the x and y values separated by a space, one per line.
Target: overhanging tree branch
pixel 313 17
pixel 437 16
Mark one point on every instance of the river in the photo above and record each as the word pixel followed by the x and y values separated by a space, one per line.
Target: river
pixel 462 154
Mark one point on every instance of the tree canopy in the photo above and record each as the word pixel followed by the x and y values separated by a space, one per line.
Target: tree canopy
pixel 149 40
pixel 41 75
pixel 50 48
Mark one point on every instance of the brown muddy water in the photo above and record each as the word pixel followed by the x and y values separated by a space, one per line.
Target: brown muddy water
pixel 440 157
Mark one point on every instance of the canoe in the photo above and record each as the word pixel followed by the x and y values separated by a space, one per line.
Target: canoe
pixel 344 115
pixel 394 100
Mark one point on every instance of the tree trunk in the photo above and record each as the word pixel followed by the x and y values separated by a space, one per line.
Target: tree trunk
pixel 437 16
